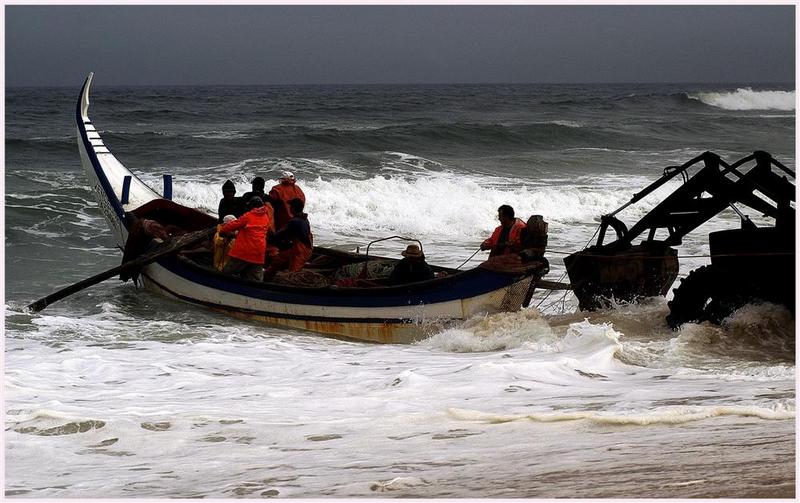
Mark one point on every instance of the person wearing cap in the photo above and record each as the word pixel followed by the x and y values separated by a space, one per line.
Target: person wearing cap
pixel 223 243
pixel 229 204
pixel 411 268
pixel 281 194
pixel 506 238
pixel 247 253
pixel 295 242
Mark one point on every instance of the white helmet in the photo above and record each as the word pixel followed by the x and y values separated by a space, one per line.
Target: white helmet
pixel 287 175
pixel 228 218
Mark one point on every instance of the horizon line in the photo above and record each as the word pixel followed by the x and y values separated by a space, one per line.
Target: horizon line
pixel 366 84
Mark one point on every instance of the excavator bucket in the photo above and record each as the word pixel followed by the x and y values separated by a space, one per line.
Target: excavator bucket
pixel 599 278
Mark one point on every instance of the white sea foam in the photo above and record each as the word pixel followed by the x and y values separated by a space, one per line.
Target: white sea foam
pixel 748 99
pixel 443 205
pixel 524 328
pixel 663 415
pixel 565 123
pixel 398 483
pixel 222 135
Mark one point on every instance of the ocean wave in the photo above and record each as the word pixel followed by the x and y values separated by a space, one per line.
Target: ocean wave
pixel 424 203
pixel 659 416
pixel 497 332
pixel 40 145
pixel 756 332
pixel 747 99
pixel 222 135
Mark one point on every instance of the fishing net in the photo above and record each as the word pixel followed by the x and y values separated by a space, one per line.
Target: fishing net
pixel 376 269
pixel 305 279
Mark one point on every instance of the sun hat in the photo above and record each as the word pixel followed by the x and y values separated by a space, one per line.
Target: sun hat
pixel 412 251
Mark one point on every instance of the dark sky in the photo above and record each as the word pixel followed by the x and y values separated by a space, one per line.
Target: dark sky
pixel 140 45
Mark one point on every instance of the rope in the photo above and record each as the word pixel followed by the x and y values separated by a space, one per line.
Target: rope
pixel 565 273
pixel 754 254
pixel 470 258
pixel 561 299
pixel 551 291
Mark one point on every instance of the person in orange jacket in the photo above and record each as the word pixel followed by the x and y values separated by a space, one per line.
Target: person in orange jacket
pixel 506 238
pixel 246 258
pixel 281 194
pixel 295 241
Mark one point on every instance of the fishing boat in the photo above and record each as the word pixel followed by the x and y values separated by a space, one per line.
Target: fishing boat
pixel 366 310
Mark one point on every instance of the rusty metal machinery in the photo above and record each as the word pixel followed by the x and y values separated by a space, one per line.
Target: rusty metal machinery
pixel 747 264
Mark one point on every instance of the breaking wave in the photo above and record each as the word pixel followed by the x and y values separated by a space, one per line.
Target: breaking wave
pixel 497 332
pixel 664 415
pixel 748 99
pixel 439 204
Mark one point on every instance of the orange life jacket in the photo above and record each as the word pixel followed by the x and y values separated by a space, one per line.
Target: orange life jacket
pixel 280 195
pixel 513 244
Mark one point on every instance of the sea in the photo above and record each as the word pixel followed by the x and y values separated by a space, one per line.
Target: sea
pixel 115 392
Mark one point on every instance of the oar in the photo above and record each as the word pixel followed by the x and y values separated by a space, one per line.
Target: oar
pixel 162 250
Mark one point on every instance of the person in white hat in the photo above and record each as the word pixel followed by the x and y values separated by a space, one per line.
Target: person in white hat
pixel 281 194
pixel 411 268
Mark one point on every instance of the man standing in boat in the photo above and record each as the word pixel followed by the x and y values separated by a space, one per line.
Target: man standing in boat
pixel 257 186
pixel 247 254
pixel 281 194
pixel 506 238
pixel 229 204
pixel 295 241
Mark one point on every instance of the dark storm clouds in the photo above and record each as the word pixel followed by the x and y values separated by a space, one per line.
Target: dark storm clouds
pixel 58 45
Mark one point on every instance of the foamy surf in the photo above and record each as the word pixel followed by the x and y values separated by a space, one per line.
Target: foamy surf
pixel 748 99
pixel 413 203
pixel 483 333
pixel 198 405
pixel 398 483
pixel 662 416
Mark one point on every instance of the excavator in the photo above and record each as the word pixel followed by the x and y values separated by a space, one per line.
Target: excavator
pixel 749 264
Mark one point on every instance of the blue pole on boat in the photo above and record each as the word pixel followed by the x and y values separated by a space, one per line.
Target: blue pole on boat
pixel 168 187
pixel 126 189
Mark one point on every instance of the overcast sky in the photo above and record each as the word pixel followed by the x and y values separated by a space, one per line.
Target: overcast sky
pixel 140 45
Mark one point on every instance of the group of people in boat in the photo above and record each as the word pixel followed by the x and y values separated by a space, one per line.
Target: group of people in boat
pixel 260 234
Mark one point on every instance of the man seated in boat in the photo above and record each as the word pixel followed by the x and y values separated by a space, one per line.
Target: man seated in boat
pixel 294 240
pixel 229 204
pixel 411 268
pixel 281 194
pixel 506 238
pixel 247 254
pixel 223 243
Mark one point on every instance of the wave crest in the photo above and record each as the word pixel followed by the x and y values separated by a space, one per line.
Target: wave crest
pixel 659 416
pixel 748 99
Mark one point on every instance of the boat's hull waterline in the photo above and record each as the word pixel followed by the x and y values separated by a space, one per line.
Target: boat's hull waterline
pixel 379 314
